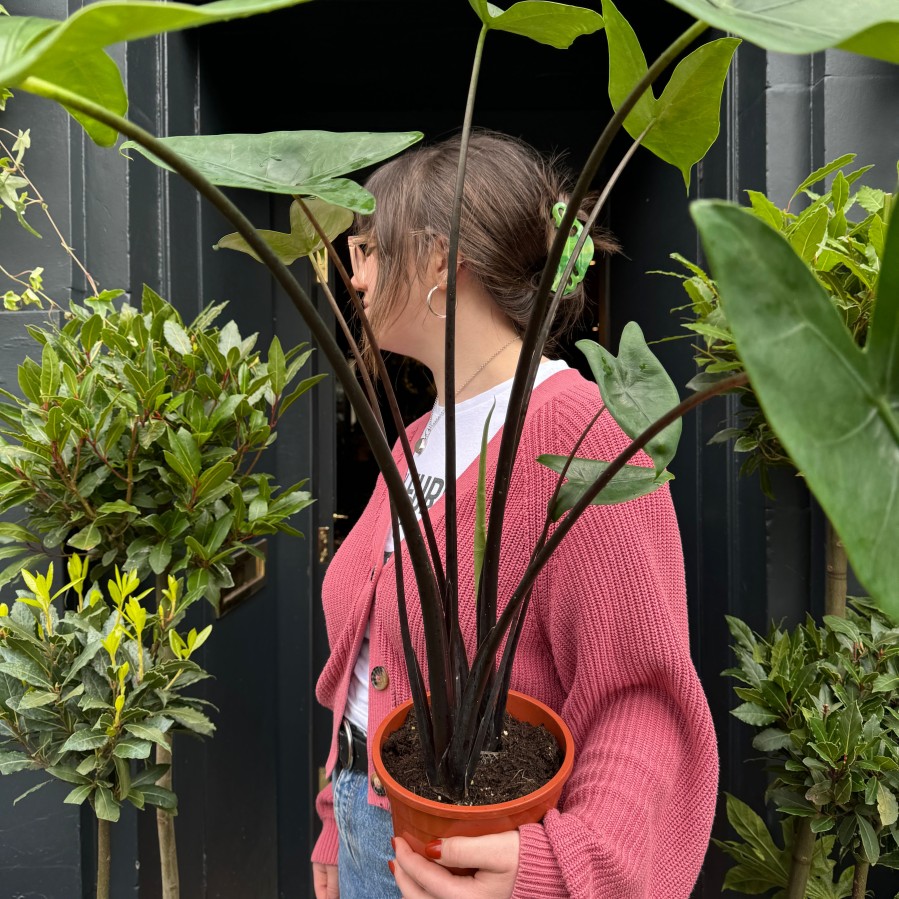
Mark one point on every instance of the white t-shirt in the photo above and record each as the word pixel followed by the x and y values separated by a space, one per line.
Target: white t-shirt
pixel 431 463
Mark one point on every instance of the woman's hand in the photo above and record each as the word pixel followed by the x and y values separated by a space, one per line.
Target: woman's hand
pixel 324 879
pixel 495 857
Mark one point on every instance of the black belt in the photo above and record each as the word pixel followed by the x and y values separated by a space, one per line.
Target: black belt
pixel 352 747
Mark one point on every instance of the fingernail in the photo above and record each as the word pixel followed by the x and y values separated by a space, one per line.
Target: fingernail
pixel 393 844
pixel 434 849
pixel 392 867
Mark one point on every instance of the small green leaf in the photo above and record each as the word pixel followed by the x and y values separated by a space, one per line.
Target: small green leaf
pixel 887 807
pixel 556 24
pixel 105 806
pixel 753 714
pixel 79 794
pixel 177 338
pixel 277 367
pixel 870 843
pixel 84 740
pixel 118 506
pixel 35 699
pixel 35 788
pixel 87 538
pixel 11 762
pixel 160 556
pixel 771 740
pixel 766 210
pixel 636 390
pixel 148 733
pixel 630 483
pixel 191 719
pixel 129 748
pixel 809 234
pixel 161 797
pixel 303 238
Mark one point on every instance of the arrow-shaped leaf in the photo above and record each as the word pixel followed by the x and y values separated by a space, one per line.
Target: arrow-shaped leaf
pixel 305 163
pixel 685 120
pixel 636 390
pixel 302 239
pixel 629 483
pixel 870 27
pixel 556 24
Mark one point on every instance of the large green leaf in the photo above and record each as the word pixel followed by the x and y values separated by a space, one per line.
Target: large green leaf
pixel 870 27
pixel 25 46
pixel 834 406
pixel 629 483
pixel 556 24
pixel 302 239
pixel 636 390
pixel 307 163
pixel 684 121
pixel 96 77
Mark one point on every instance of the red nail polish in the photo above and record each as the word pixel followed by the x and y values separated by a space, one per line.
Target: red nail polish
pixel 393 844
pixel 434 849
pixel 392 866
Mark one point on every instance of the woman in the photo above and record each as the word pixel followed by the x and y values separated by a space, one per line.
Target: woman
pixel 605 643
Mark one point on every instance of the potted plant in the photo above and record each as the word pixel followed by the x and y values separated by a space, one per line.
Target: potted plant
pixel 807 685
pixel 88 690
pixel 658 124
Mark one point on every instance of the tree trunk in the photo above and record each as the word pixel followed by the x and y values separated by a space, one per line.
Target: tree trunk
pixel 835 581
pixel 165 822
pixel 165 830
pixel 860 881
pixel 104 855
pixel 801 862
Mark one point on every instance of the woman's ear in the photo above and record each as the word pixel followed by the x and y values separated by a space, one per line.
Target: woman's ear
pixel 440 261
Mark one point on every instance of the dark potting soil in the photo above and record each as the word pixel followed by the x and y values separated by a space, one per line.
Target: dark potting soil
pixel 529 757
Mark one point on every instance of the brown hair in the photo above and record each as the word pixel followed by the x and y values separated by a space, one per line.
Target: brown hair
pixel 506 229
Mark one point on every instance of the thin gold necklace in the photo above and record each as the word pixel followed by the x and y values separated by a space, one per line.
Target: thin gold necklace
pixel 432 422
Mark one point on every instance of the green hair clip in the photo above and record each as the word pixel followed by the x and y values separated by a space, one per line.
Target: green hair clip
pixel 584 258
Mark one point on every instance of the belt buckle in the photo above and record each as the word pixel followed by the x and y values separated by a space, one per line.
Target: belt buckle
pixel 348 733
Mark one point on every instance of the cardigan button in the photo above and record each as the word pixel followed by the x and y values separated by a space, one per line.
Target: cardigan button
pixel 379 678
pixel 377 786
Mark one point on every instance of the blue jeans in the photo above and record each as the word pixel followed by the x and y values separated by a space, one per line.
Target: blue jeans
pixel 364 849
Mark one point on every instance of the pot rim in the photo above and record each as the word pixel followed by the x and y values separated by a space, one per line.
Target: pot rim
pixel 450 810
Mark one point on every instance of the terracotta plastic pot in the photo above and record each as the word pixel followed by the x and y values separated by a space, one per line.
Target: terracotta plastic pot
pixel 419 821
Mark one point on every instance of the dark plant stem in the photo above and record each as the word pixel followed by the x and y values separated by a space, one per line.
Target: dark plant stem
pixel 432 607
pixel 389 393
pixel 416 681
pixel 697 399
pixel 473 702
pixel 348 335
pixel 458 659
pixel 860 879
pixel 801 860
pixel 530 353
pixel 835 584
pixel 104 856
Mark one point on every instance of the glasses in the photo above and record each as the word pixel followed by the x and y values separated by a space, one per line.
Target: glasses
pixel 361 250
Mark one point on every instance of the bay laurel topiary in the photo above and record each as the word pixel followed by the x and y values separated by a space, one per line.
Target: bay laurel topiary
pixel 85 693
pixel 136 442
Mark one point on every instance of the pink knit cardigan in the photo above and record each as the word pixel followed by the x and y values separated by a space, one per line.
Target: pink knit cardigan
pixel 605 644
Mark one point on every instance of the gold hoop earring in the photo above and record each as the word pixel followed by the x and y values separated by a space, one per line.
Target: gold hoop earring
pixel 428 301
